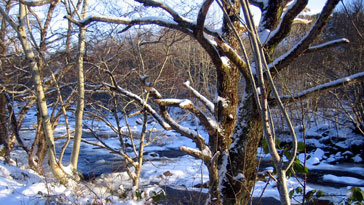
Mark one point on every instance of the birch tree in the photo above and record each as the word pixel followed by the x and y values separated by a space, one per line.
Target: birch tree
pixel 36 57
pixel 81 90
pixel 20 28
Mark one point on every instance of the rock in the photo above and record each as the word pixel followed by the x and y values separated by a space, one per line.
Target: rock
pixel 167 173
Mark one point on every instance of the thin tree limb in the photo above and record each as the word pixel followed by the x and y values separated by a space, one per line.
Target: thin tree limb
pixel 210 106
pixel 38 2
pixel 284 27
pixel 324 87
pixel 202 17
pixel 328 44
pixel 284 60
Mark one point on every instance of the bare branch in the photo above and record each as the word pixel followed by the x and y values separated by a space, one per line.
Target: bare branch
pixel 210 106
pixel 202 17
pixel 38 2
pixel 209 125
pixel 142 102
pixel 185 131
pixel 131 22
pixel 196 153
pixel 324 87
pixel 328 44
pixel 284 27
pixel 284 60
pixel 107 147
pixel 163 6
pixel 8 19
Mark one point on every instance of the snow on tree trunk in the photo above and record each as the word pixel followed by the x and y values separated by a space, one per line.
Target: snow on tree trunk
pixel 241 173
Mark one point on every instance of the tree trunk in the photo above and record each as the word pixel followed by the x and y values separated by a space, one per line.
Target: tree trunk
pixel 3 111
pixel 81 92
pixel 242 165
pixel 41 99
pixel 3 128
pixel 41 145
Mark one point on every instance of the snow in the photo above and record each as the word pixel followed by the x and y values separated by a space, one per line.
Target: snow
pixel 125 20
pixel 207 152
pixel 343 180
pixel 357 158
pixel 239 176
pixel 225 60
pixel 321 86
pixel 329 43
pixel 20 185
pixel 263 35
pixel 314 159
pixel 224 102
pixel 185 103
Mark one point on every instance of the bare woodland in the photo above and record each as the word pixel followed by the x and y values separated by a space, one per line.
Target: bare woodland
pixel 229 73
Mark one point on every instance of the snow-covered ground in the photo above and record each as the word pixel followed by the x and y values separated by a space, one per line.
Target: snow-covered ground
pixel 20 185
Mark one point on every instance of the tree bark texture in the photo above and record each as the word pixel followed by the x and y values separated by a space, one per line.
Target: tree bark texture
pixel 4 128
pixel 242 164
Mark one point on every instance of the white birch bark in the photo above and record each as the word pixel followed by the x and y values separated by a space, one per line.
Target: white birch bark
pixel 41 99
pixel 81 91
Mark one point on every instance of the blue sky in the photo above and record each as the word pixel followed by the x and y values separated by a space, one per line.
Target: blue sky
pixel 316 5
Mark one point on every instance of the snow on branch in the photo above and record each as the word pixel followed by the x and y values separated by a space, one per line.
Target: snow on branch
pixel 234 57
pixel 122 20
pixel 209 125
pixel 301 21
pixel 185 131
pixel 324 87
pixel 147 86
pixel 301 47
pixel 277 35
pixel 205 155
pixel 210 106
pixel 142 102
pixel 328 44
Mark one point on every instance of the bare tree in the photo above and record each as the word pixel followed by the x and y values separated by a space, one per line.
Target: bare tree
pixel 20 28
pixel 235 126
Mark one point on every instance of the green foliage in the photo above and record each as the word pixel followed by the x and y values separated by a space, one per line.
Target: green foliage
pixel 301 147
pixel 265 145
pixel 157 197
pixel 320 193
pixel 297 190
pixel 138 194
pixel 309 195
pixel 357 197
pixel 297 167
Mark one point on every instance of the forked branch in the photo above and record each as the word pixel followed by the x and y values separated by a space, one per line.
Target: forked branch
pixel 284 60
